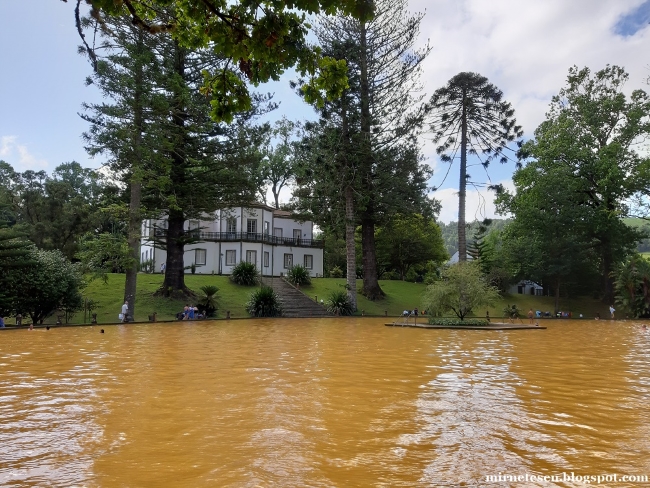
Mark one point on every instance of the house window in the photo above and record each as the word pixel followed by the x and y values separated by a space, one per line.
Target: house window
pixel 309 261
pixel 199 257
pixel 251 257
pixel 277 231
pixel 251 226
pixel 231 225
pixel 288 261
pixel 231 258
pixel 296 235
pixel 266 259
pixel 267 228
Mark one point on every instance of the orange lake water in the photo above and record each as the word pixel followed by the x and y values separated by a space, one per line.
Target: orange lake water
pixel 322 403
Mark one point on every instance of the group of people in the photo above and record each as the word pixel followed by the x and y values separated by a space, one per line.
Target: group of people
pixel 413 313
pixel 190 312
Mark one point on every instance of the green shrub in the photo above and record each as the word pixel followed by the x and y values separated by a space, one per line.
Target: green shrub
pixel 412 276
pixel 264 302
pixel 207 304
pixel 336 272
pixel 245 274
pixel 147 266
pixel 338 303
pixel 441 321
pixel 511 312
pixel 298 275
pixel 390 275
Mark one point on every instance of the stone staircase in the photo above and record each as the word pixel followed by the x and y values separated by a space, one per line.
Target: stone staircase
pixel 294 302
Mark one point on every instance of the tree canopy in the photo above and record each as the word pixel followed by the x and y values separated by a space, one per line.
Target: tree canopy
pixel 407 241
pixel 259 39
pixel 591 147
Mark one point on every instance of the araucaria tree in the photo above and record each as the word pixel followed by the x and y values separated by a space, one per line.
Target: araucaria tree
pixel 373 128
pixel 471 116
pixel 124 128
pixel 179 163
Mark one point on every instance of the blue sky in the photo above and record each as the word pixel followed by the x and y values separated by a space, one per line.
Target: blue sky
pixel 524 47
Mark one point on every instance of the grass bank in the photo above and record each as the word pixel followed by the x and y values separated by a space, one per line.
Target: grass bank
pixel 399 296
pixel 110 297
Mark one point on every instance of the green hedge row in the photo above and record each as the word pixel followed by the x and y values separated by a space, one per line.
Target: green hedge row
pixel 442 321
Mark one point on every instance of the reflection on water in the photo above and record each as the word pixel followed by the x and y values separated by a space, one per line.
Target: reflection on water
pixel 321 403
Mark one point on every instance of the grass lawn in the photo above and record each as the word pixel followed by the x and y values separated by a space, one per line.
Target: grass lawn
pixel 586 306
pixel 110 297
pixel 400 295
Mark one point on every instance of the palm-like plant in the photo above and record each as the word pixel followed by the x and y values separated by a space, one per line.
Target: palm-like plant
pixel 338 303
pixel 298 275
pixel 264 302
pixel 207 303
pixel 245 273
pixel 471 107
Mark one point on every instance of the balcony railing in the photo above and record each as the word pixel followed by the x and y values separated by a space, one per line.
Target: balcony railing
pixel 249 237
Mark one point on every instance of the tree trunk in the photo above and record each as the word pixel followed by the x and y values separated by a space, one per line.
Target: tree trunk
pixel 135 216
pixel 371 288
pixel 351 255
pixel 276 196
pixel 608 280
pixel 133 239
pixel 462 240
pixel 174 282
pixel 350 217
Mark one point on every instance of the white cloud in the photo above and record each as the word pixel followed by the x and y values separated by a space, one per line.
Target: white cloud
pixel 479 204
pixel 18 156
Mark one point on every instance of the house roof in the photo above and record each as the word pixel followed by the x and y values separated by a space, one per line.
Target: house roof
pixel 454 258
pixel 529 283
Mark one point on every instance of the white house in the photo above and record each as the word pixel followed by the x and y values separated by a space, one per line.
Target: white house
pixel 526 287
pixel 272 239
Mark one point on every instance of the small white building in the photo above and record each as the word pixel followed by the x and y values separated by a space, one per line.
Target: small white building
pixel 526 287
pixel 455 258
pixel 272 239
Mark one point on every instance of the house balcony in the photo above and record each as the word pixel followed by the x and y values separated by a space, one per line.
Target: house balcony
pixel 249 237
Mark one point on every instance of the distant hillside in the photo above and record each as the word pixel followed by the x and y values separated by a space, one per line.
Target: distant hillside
pixel 450 232
pixel 644 226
